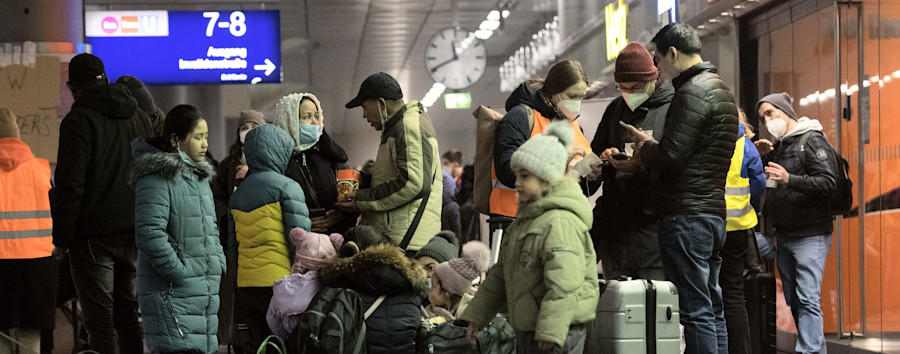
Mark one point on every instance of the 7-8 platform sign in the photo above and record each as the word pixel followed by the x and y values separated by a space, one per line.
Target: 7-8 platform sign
pixel 188 47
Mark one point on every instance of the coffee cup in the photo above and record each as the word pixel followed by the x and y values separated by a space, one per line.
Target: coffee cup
pixel 347 182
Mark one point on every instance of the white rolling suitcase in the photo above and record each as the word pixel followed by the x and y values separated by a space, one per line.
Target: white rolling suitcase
pixel 637 316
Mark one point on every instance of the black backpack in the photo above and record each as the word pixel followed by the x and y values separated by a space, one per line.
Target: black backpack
pixel 334 323
pixel 841 201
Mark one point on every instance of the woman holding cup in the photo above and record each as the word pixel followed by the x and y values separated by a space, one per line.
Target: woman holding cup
pixel 315 162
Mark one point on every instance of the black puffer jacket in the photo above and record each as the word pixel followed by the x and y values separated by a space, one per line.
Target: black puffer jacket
pixel 92 197
pixel 513 130
pixel 800 208
pixel 383 270
pixel 695 151
pixel 626 206
pixel 315 170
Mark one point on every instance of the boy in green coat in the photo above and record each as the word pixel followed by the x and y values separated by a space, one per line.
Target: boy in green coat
pixel 546 274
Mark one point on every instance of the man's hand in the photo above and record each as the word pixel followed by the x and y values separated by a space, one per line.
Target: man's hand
pixel 606 155
pixel 637 135
pixel 472 333
pixel 546 346
pixel 777 173
pixel 241 171
pixel 630 165
pixel 764 146
pixel 348 204
pixel 321 224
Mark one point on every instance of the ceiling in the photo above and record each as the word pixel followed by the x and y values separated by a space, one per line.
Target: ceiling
pixel 330 46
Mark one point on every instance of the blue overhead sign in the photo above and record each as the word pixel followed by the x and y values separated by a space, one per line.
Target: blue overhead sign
pixel 188 47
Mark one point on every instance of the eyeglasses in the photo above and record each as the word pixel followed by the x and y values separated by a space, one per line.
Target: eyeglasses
pixel 634 89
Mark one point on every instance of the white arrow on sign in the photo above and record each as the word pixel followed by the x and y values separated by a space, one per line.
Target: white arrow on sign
pixel 268 67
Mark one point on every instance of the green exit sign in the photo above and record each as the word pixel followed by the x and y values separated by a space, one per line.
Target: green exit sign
pixel 457 100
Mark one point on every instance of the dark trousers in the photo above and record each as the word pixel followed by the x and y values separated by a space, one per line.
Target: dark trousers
pixel 103 271
pixel 525 343
pixel 731 279
pixel 254 302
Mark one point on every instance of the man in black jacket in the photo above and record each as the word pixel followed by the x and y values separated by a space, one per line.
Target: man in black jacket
pixel 93 206
pixel 692 159
pixel 624 230
pixel 797 205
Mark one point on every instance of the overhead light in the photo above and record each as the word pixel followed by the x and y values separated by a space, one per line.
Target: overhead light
pixel 433 94
pixel 494 15
pixel 483 34
pixel 505 13
pixel 489 25
pixel 712 20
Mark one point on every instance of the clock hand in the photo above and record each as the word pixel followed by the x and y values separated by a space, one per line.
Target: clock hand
pixel 448 61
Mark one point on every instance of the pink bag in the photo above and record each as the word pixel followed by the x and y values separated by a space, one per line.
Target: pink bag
pixel 291 296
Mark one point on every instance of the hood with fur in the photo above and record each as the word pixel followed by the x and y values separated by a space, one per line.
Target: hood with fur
pixel 287 112
pixel 377 270
pixel 148 160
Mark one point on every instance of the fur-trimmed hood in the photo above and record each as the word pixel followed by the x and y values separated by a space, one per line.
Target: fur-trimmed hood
pixel 149 160
pixel 287 111
pixel 378 270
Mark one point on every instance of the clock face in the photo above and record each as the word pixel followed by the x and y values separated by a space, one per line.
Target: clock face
pixel 455 58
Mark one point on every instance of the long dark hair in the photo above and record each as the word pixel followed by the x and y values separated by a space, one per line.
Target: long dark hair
pixel 180 121
pixel 561 75
pixel 237 148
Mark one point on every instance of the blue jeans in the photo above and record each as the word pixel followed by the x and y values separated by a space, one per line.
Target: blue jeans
pixel 104 274
pixel 801 263
pixel 690 247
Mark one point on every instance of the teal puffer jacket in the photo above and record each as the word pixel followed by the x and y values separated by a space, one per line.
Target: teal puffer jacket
pixel 180 258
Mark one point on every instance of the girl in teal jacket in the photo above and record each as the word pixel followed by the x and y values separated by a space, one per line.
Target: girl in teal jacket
pixel 180 259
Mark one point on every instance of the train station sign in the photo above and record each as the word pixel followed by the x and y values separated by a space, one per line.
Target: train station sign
pixel 188 47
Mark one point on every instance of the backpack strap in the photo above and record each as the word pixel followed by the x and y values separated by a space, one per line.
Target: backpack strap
pixel 374 307
pixel 530 115
pixel 415 221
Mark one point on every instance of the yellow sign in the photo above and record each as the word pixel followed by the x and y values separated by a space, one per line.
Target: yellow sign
pixel 616 23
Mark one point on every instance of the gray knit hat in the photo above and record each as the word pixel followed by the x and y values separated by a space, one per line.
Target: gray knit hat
pixel 456 275
pixel 782 101
pixel 545 155
pixel 442 247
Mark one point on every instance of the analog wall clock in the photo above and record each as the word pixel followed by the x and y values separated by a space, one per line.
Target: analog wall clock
pixel 455 57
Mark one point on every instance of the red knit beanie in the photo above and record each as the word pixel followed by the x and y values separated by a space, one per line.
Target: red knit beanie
pixel 635 64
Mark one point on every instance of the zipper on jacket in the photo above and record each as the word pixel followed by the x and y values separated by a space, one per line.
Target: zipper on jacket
pixel 172 311
pixel 306 176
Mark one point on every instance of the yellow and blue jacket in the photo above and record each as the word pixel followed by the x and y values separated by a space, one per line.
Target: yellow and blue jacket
pixel 264 209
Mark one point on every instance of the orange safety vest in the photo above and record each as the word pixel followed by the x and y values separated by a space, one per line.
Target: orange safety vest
pixel 503 198
pixel 26 227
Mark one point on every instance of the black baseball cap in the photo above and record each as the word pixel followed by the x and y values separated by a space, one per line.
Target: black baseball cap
pixel 86 67
pixel 375 86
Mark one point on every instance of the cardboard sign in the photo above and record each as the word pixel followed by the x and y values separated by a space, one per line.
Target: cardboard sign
pixel 32 94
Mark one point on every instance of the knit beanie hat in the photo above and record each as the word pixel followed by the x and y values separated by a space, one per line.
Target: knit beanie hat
pixel 782 101
pixel 312 249
pixel 139 91
pixel 8 126
pixel 635 64
pixel 442 247
pixel 86 67
pixel 457 275
pixel 252 115
pixel 545 155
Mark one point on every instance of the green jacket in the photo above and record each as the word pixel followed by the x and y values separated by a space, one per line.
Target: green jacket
pixel 407 166
pixel 180 260
pixel 264 209
pixel 546 275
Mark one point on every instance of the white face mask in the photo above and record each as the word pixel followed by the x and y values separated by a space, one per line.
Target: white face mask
pixel 243 135
pixel 777 127
pixel 570 108
pixel 635 100
pixel 383 115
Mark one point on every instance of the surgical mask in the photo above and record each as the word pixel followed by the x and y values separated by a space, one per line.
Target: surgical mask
pixel 429 282
pixel 308 134
pixel 635 100
pixel 571 109
pixel 383 115
pixel 243 135
pixel 778 127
